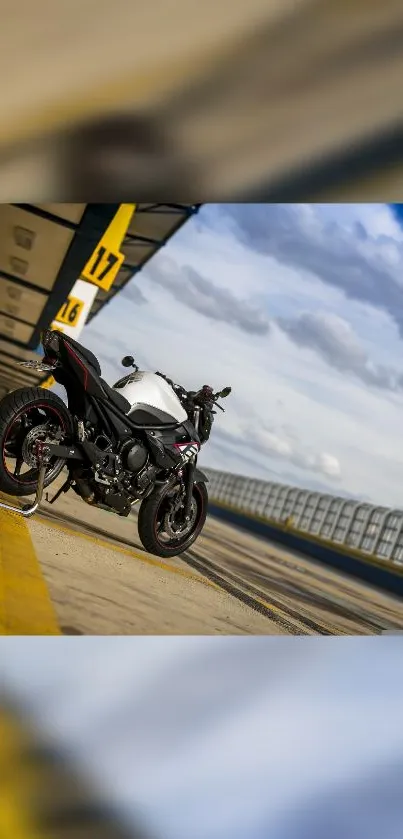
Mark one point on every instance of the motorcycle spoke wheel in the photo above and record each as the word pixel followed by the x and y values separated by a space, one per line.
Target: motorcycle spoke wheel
pixel 30 426
pixel 171 529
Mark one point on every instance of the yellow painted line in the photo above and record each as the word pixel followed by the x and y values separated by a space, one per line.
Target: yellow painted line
pixel 25 604
pixel 15 822
pixel 143 557
pixel 48 383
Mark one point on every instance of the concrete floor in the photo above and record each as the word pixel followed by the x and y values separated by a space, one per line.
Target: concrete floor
pixel 101 582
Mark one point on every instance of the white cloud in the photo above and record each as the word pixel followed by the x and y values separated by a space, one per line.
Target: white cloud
pixel 272 443
pixel 204 296
pixel 329 464
pixel 292 451
pixel 376 219
pixel 334 339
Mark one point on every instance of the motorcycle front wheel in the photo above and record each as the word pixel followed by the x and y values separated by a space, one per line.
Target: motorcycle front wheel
pixel 161 528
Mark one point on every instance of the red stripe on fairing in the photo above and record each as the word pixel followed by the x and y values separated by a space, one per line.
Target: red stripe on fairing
pixel 84 369
pixel 185 445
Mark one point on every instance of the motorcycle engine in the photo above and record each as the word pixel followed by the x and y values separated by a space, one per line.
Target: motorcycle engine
pixel 119 479
pixel 136 460
pixel 134 456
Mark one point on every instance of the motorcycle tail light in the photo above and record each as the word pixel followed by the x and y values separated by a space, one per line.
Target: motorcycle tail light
pixel 50 341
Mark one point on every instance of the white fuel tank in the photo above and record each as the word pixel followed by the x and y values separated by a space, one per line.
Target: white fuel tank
pixel 143 388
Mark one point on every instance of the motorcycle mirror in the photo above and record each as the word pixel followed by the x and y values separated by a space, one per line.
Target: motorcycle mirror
pixel 128 361
pixel 225 392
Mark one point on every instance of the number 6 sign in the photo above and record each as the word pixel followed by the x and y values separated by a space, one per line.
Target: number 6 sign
pixel 70 311
pixel 72 316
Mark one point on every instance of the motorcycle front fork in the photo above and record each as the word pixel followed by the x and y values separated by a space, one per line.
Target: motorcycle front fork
pixel 191 469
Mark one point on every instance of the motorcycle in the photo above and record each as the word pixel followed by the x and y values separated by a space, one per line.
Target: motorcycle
pixel 135 442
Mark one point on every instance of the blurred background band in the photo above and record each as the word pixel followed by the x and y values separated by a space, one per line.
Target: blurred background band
pixel 80 59
pixel 219 100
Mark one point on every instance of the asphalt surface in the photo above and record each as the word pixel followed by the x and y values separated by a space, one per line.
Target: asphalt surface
pixel 100 581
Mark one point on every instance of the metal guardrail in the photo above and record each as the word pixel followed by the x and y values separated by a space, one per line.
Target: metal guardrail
pixel 372 532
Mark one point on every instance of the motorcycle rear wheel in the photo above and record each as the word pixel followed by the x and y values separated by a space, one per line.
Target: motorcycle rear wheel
pixel 27 415
pixel 155 515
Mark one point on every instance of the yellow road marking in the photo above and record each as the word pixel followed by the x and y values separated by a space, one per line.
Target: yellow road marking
pixel 143 557
pixel 15 822
pixel 25 604
pixel 48 383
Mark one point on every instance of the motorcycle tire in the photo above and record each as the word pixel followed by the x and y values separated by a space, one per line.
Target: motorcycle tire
pixel 41 404
pixel 148 522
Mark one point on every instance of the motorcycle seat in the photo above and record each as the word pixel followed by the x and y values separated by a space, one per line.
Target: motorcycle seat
pixel 86 354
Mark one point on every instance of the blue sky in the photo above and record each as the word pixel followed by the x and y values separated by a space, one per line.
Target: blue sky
pixel 228 738
pixel 300 309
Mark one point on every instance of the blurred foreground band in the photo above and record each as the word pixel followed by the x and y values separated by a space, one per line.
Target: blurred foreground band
pixel 278 100
pixel 207 738
pixel 42 794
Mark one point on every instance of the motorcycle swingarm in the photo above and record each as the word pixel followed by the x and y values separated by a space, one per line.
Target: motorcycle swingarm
pixel 49 450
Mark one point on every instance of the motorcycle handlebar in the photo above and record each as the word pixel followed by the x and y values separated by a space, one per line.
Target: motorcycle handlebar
pixel 201 397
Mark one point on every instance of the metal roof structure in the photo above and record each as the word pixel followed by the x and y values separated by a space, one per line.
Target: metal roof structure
pixel 151 228
pixel 43 249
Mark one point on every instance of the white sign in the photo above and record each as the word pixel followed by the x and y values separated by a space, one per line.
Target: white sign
pixel 72 316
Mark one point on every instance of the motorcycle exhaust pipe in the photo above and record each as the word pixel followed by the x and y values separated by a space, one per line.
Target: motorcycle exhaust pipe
pixel 87 494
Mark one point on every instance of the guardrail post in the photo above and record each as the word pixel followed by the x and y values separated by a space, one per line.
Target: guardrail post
pixel 337 518
pixel 324 514
pixel 315 507
pixel 397 537
pixel 364 526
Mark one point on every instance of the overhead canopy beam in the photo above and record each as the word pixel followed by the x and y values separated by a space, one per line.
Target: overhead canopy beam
pixel 43 250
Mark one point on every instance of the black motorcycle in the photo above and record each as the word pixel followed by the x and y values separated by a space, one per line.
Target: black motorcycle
pixel 117 452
